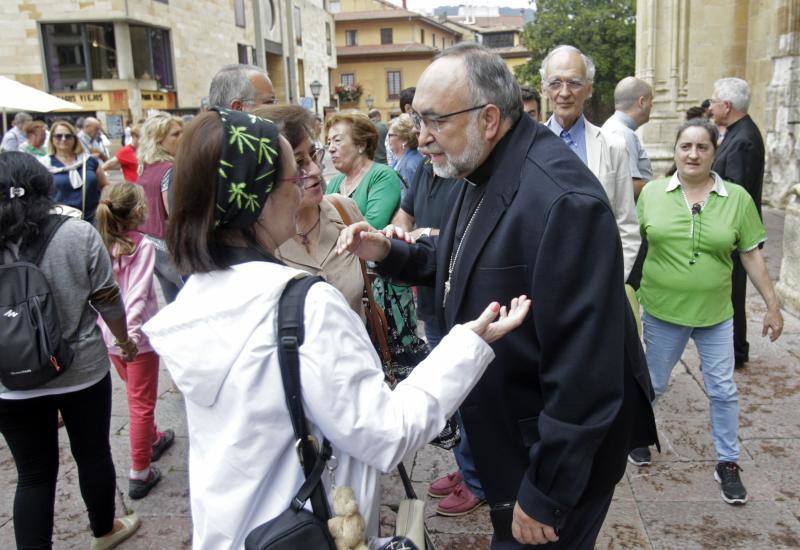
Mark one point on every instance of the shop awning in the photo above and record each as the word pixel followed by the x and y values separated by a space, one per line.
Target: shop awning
pixel 15 96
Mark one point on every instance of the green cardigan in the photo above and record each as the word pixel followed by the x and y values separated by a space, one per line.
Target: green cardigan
pixel 377 196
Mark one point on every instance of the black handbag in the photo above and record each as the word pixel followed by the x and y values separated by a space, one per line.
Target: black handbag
pixel 297 528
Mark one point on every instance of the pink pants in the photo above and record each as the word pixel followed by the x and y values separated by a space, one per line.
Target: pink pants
pixel 141 384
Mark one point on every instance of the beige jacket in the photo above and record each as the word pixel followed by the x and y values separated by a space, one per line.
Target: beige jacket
pixel 607 158
pixel 342 272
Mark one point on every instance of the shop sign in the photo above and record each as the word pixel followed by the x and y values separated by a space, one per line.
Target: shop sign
pixel 158 100
pixel 97 101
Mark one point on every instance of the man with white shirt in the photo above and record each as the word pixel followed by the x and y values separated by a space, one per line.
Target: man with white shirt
pixel 15 137
pixel 633 101
pixel 567 76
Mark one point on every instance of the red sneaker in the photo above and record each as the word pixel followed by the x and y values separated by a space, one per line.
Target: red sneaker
pixel 443 486
pixel 461 501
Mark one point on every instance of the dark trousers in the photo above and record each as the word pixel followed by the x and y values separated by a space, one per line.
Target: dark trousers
pixel 30 427
pixel 741 348
pixel 579 532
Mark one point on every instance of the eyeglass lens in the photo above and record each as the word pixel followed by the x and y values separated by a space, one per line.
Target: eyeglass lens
pixel 63 136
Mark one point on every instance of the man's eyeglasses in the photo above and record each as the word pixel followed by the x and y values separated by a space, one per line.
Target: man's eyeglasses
pixel 258 102
pixel 555 84
pixel 432 122
pixel 63 137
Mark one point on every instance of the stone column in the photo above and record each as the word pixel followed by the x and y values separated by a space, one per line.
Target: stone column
pixel 788 288
pixel 782 171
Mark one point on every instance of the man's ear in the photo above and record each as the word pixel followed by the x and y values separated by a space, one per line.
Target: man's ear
pixel 491 119
pixel 236 105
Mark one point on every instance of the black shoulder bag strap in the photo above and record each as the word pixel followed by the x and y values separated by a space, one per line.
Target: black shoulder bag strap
pixel 33 251
pixel 290 338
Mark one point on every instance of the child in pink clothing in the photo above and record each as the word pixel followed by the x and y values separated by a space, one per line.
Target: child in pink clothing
pixel 122 208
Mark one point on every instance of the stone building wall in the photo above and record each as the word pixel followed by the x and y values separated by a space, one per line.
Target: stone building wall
pixel 682 47
pixel 203 35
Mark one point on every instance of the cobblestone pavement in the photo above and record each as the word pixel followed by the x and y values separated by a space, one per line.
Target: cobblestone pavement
pixel 673 504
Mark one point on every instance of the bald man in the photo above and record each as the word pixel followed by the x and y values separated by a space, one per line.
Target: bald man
pixel 91 138
pixel 633 101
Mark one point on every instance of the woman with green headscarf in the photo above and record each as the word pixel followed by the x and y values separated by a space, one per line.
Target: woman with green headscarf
pixel 236 198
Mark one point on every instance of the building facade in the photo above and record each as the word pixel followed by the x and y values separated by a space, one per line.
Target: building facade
pixel 381 50
pixel 121 58
pixel 485 25
pixel 682 47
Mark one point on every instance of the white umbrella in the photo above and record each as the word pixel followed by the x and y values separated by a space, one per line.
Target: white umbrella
pixel 15 96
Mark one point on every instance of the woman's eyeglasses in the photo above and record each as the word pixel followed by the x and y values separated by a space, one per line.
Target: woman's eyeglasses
pixel 63 137
pixel 300 179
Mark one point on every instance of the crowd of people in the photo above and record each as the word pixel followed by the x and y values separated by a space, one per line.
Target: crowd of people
pixel 453 213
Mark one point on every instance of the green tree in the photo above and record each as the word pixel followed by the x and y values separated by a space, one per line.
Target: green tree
pixel 605 30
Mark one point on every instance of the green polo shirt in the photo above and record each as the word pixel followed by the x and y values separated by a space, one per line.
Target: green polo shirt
pixel 675 289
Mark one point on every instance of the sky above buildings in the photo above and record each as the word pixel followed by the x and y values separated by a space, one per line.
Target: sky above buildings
pixel 427 6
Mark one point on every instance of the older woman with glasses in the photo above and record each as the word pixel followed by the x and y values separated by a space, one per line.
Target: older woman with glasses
pixel 693 222
pixel 313 246
pixel 376 189
pixel 78 177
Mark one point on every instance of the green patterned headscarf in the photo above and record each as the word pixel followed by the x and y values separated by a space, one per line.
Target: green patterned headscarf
pixel 248 168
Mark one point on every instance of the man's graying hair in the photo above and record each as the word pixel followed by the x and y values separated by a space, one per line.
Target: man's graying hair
pixel 232 82
pixel 488 78
pixel 587 61
pixel 734 90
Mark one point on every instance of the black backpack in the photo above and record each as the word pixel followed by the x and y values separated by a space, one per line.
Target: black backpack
pixel 32 348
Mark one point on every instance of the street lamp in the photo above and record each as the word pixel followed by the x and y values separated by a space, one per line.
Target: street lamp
pixel 370 102
pixel 316 88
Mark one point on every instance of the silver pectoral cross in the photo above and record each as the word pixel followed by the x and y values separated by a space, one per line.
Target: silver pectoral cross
pixel 446 292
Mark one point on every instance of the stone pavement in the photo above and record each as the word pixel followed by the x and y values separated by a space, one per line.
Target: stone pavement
pixel 673 504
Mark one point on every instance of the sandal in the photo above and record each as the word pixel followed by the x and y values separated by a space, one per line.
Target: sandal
pixel 130 524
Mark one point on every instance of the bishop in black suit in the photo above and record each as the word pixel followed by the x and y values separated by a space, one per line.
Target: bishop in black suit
pixel 740 159
pixel 568 395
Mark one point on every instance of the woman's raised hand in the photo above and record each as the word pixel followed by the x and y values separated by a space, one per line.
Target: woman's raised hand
pixel 364 241
pixel 491 328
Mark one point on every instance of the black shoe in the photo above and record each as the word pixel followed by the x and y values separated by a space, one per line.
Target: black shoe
pixel 640 456
pixel 138 488
pixel 166 441
pixel 727 475
pixel 739 365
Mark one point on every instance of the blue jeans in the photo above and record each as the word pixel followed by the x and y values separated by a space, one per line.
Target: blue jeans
pixel 432 333
pixel 466 463
pixel 665 343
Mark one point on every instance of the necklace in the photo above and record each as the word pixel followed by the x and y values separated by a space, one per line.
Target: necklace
pixel 304 240
pixel 454 257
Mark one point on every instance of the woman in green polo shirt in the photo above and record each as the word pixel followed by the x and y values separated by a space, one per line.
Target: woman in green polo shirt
pixel 693 221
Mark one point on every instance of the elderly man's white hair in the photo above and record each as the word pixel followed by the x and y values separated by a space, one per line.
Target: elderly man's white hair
pixel 232 82
pixel 628 92
pixel 734 90
pixel 587 61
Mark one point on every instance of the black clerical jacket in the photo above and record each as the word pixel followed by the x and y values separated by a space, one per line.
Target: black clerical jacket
pixel 568 394
pixel 740 157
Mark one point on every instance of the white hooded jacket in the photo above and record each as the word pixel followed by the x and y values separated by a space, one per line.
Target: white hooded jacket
pixel 218 340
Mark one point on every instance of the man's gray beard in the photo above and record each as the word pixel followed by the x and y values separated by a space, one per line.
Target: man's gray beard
pixel 468 160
